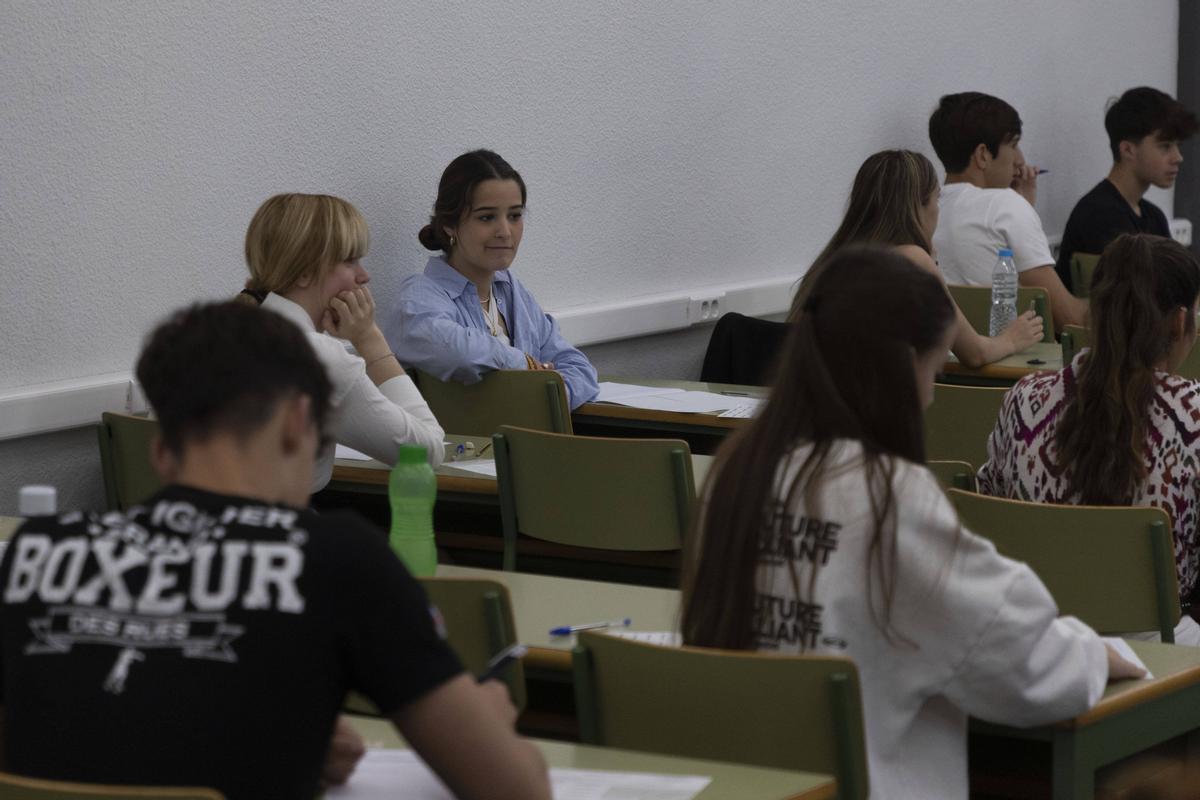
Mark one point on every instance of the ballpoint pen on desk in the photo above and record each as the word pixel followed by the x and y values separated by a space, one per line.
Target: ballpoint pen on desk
pixel 483 449
pixel 567 630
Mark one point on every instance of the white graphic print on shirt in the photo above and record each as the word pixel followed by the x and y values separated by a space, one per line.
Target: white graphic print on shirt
pixel 192 575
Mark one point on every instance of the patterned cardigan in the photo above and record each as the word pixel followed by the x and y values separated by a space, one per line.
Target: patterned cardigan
pixel 1022 454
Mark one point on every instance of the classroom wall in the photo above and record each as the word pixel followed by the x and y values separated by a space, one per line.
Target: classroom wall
pixel 666 145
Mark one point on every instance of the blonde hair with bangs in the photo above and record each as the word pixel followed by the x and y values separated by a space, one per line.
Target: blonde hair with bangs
pixel 294 238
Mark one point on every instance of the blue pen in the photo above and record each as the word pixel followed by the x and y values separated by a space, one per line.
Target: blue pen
pixel 567 630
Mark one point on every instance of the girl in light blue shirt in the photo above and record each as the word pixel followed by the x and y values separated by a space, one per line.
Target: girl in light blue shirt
pixel 465 314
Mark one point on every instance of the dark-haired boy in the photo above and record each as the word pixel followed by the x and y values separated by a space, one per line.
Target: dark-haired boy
pixel 209 636
pixel 1145 127
pixel 987 201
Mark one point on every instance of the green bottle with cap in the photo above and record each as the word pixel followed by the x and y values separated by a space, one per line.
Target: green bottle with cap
pixel 412 490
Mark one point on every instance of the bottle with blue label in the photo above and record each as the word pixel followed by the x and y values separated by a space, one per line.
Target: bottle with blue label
pixel 412 490
pixel 1004 293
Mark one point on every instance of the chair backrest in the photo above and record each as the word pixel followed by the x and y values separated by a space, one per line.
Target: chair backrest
pixel 125 459
pixel 975 302
pixel 1114 568
pixel 1074 338
pixel 479 624
pixel 611 494
pixel 953 474
pixel 959 421
pixel 15 787
pixel 742 350
pixel 529 398
pixel 787 712
pixel 1082 267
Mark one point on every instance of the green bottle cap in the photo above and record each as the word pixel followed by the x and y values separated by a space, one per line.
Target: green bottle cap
pixel 411 454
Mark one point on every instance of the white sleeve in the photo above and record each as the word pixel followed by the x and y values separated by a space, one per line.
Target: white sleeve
pixel 1009 658
pixel 1019 225
pixel 1029 666
pixel 378 419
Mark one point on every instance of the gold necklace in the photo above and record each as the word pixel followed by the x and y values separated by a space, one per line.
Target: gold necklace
pixel 490 316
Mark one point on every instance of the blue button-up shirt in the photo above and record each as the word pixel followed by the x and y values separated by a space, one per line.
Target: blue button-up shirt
pixel 438 327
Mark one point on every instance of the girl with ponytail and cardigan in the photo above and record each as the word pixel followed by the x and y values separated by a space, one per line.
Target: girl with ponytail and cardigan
pixel 822 532
pixel 465 314
pixel 1116 426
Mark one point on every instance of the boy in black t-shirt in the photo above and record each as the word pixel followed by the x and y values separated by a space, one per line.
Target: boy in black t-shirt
pixel 1145 127
pixel 208 636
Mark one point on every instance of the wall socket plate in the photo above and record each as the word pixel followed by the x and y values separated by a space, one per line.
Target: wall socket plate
pixel 705 308
pixel 1181 231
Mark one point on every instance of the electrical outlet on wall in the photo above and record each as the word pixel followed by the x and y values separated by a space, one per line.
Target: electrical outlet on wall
pixel 705 308
pixel 1181 231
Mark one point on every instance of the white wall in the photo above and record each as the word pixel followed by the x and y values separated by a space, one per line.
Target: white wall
pixel 666 145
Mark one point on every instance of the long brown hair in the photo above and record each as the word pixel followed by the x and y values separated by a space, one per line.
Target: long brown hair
pixel 1139 283
pixel 846 372
pixel 884 208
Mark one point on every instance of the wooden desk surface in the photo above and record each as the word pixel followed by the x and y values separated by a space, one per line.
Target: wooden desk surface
pixel 1174 667
pixel 8 526
pixel 729 781
pixel 1015 366
pixel 452 479
pixel 542 602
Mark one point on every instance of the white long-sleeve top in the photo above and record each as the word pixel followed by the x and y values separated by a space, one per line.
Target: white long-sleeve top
pixel 975 633
pixel 373 419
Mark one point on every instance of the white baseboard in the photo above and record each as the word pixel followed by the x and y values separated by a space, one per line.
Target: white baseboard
pixel 61 405
pixel 660 313
pixel 48 407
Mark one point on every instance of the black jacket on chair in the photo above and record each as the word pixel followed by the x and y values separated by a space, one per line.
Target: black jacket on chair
pixel 743 350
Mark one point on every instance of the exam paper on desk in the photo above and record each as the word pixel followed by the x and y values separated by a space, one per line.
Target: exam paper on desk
pixel 481 466
pixel 384 772
pixel 658 398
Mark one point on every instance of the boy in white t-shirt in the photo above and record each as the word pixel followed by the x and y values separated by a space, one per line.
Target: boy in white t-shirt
pixel 987 201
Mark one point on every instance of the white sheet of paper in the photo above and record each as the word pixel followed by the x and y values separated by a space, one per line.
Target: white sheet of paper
pixel 663 638
pixel 1126 652
pixel 385 773
pixel 747 407
pixel 615 392
pixel 341 451
pixel 482 466
pixel 657 398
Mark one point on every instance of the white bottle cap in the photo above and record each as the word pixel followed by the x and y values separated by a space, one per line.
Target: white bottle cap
pixel 35 500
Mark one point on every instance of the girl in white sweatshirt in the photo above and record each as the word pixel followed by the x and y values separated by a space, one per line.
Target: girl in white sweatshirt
pixel 823 533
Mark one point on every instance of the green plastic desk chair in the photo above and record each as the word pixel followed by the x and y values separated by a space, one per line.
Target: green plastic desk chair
pixel 1083 265
pixel 15 787
pixel 592 492
pixel 953 474
pixel 125 459
pixel 1074 338
pixel 787 712
pixel 1113 567
pixel 534 399
pixel 959 421
pixel 976 305
pixel 479 624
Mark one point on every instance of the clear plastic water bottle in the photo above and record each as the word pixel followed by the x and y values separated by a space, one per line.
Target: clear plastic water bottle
pixel 412 489
pixel 1004 293
pixel 35 500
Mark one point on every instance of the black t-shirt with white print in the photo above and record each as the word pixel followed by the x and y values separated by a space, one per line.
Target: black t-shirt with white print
pixel 203 640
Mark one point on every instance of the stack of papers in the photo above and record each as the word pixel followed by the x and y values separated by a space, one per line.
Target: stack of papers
pixel 658 398
pixel 387 773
